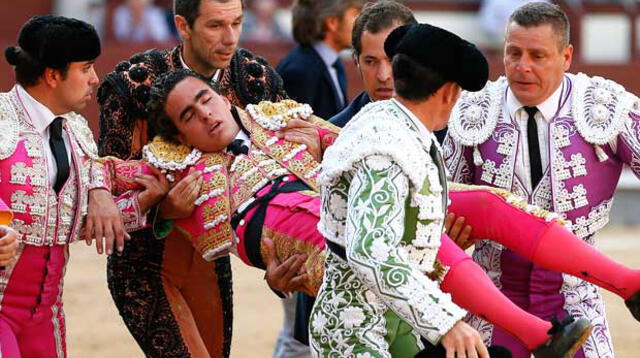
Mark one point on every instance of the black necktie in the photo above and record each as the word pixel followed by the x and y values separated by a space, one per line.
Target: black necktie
pixel 238 147
pixel 442 174
pixel 59 153
pixel 534 147
pixel 342 79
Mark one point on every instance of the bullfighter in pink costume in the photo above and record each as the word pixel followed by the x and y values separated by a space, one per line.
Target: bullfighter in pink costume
pixel 289 218
pixel 46 160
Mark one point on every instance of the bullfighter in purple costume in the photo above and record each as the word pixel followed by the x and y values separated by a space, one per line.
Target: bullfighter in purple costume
pixel 558 139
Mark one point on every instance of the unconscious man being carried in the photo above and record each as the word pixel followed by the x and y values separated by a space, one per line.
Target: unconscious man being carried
pixel 258 186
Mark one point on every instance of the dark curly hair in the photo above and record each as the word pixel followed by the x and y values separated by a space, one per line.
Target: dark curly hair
pixel 160 90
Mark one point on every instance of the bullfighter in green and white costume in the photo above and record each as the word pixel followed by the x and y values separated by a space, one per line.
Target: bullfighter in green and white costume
pixel 384 201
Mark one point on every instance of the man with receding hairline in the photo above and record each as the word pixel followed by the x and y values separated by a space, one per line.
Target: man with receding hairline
pixel 559 140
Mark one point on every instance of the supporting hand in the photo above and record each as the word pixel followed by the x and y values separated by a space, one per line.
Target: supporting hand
pixel 458 231
pixel 180 202
pixel 462 341
pixel 8 245
pixel 104 223
pixel 289 276
pixel 303 132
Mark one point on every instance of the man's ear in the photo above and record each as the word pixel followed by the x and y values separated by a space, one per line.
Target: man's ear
pixel 51 77
pixel 332 23
pixel 451 92
pixel 182 26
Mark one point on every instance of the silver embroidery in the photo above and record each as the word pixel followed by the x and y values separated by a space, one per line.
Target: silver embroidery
pixel 476 114
pixel 9 127
pixel 597 218
pixel 563 169
pixel 600 107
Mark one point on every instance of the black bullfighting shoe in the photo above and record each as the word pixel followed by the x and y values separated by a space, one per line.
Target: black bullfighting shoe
pixel 431 351
pixel 566 338
pixel 633 304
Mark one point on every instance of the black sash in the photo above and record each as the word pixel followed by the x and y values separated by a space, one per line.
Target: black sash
pixel 253 233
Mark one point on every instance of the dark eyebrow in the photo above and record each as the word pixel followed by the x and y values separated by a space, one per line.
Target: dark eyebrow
pixel 201 93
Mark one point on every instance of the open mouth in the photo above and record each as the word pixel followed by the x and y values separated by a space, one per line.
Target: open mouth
pixel 214 128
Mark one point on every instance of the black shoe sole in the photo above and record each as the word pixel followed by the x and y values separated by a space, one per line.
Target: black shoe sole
pixel 578 344
pixel 633 304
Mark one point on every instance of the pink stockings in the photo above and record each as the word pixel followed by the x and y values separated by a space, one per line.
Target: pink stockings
pixel 543 242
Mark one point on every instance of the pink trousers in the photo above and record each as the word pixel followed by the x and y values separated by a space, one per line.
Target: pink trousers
pixel 31 315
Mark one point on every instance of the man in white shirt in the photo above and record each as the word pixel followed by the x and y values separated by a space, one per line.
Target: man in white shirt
pixel 558 140
pixel 47 155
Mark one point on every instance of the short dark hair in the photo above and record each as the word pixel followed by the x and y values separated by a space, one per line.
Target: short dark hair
pixel 160 90
pixel 190 9
pixel 379 16
pixel 309 16
pixel 541 13
pixel 414 81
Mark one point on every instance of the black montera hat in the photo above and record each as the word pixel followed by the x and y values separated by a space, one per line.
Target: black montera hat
pixel 54 41
pixel 441 51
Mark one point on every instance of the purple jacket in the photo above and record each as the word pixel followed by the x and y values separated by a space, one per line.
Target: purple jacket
pixel 596 131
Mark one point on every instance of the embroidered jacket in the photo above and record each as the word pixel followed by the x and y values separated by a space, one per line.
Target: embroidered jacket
pixel 230 183
pixel 595 133
pixel 124 93
pixel 41 217
pixel 384 202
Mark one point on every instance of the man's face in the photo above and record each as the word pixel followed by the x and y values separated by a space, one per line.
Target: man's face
pixel 202 116
pixel 74 91
pixel 534 62
pixel 215 32
pixel 375 66
pixel 345 28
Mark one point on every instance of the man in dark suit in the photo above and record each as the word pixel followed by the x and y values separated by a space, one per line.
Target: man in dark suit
pixel 370 30
pixel 312 72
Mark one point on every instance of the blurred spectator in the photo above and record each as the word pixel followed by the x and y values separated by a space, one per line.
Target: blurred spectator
pixel 260 23
pixel 91 11
pixel 140 21
pixel 494 15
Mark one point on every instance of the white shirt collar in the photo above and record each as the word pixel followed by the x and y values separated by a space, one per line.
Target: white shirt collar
pixel 216 75
pixel 547 109
pixel 40 115
pixel 423 131
pixel 328 55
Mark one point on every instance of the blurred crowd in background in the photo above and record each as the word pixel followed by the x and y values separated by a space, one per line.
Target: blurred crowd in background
pixel 136 21
pixel 265 20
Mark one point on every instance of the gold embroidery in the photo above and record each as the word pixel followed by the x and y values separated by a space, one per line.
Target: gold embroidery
pixel 167 151
pixel 287 246
pixel 510 199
